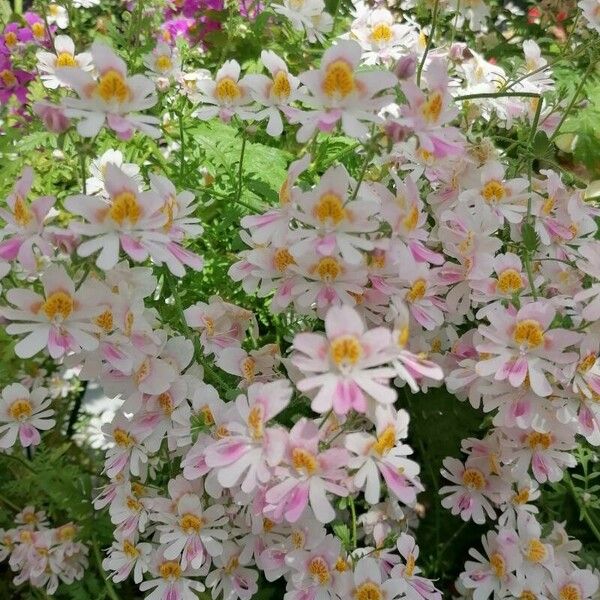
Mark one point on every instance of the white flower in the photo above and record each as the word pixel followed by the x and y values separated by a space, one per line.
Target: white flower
pixel 24 414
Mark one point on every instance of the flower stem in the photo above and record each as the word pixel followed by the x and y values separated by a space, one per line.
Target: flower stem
pixel 110 590
pixel 583 511
pixel 238 195
pixel 353 513
pixel 429 40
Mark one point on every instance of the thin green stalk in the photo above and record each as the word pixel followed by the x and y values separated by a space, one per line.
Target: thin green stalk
pixel 429 40
pixel 498 95
pixel 181 148
pixel 110 590
pixel 582 508
pixel 10 504
pixel 238 195
pixel 353 513
pixel 368 158
pixel 574 99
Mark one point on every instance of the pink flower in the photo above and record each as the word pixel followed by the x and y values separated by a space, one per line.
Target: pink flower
pixel 25 224
pixel 60 319
pixel 24 414
pixel 384 454
pixel 523 345
pixel 340 92
pixel 345 363
pixel 252 449
pixel 310 474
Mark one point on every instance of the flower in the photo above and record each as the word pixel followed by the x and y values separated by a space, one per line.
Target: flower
pixel 112 98
pixel 191 531
pixel 521 344
pixel 129 219
pixel 24 414
pixel 252 448
pixel 308 476
pixel 60 319
pixel 345 363
pixel 63 57
pixel 227 95
pixel 308 16
pixel 339 92
pixel 25 224
pixel 384 454
pixel 367 582
pixel 275 93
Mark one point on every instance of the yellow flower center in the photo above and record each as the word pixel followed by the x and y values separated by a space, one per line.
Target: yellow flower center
pixel 268 525
pixel 53 10
pixel 417 291
pixel 368 591
pixel 122 438
pixel 528 332
pixel 536 440
pixel 328 269
pixel 411 220
pixel 319 570
pixel 521 497
pixel 570 591
pixel 66 532
pixel 298 538
pixel 345 350
pixel 166 403
pixel 133 504
pixel 21 212
pixel 207 415
pixel 125 207
pixel 338 82
pixel 58 304
pixel 191 523
pixel 170 570
pixel 130 550
pixel 8 77
pixel 474 479
pixel 281 88
pixel 381 33
pixel 587 363
pixel 498 565
pixel 65 59
pixel 536 551
pixel 38 30
pixel 509 281
pixel 410 565
pixel 385 442
pixel 527 595
pixel 304 461
pixel 282 259
pixel 11 39
pixel 548 206
pixel 105 321
pixel 163 63
pixel 248 368
pixel 341 565
pixel 209 326
pixel 431 109
pixel 142 371
pixel 227 90
pixel 330 208
pixel 112 87
pixel 403 336
pixel 232 565
pixel 255 421
pixel 493 191
pixel 20 409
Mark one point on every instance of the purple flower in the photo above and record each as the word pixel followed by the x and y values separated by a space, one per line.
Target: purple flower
pixel 13 82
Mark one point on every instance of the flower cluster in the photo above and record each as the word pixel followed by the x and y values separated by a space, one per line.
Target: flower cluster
pixel 41 555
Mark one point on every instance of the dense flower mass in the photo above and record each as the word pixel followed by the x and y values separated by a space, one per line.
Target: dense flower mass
pixel 272 260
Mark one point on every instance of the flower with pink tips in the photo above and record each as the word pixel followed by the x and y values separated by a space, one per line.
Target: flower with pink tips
pixel 345 364
pixel 23 414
